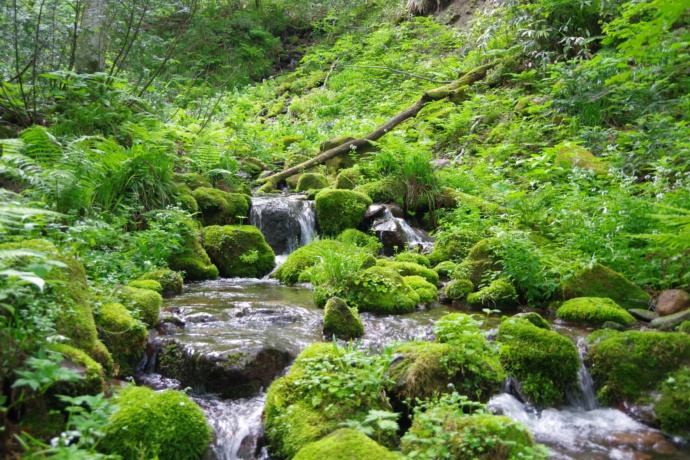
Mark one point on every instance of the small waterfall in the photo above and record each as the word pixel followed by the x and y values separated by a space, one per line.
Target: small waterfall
pixel 286 221
pixel 396 232
pixel 585 397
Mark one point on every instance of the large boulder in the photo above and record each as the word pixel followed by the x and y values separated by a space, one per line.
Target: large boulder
pixel 391 235
pixel 144 304
pixel 594 310
pixel 345 444
pixel 337 210
pixel 382 290
pixel 191 259
pixel 672 301
pixel 221 208
pixel 341 321
pixel 600 281
pixel 286 221
pixel 387 190
pixel 426 291
pixel 410 269
pixel 192 180
pixel 312 181
pixel 672 408
pixel 238 250
pixel 669 322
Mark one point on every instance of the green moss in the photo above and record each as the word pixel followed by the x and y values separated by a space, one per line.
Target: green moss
pixel 594 310
pixel 600 281
pixel 124 336
pixel 341 321
pixel 458 289
pixel 238 251
pixel 93 381
pixel 445 269
pixel 455 327
pixel 337 210
pixel 453 246
pixel 166 425
pixel 305 257
pixel 388 190
pixel 571 155
pixel 544 362
pixel 334 142
pixel 312 181
pixel 427 292
pixel 187 202
pixel 382 290
pixel 536 319
pixel 410 269
pixel 673 407
pixel 499 294
pixel 192 260
pixel 413 257
pixel 345 444
pixel 144 303
pixel 221 208
pixel 481 259
pixel 684 327
pixel 347 179
pixel 151 285
pixel 287 141
pixel 624 365
pixel 353 237
pixel 170 281
pixel 102 356
pixel 192 180
pixel 68 286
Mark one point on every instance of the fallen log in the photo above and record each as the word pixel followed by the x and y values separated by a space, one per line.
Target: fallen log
pixel 455 92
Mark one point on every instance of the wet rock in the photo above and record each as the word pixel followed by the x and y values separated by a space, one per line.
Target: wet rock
pixel 374 211
pixel 648 441
pixel 285 221
pixel 236 373
pixel 340 321
pixel 666 323
pixel 201 318
pixel 643 315
pixel 672 301
pixel 391 235
pixel 395 210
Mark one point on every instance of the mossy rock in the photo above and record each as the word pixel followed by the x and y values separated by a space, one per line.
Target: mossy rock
pixel 481 259
pixel 445 269
pixel 414 257
pixel 426 291
pixel 544 362
pixel 347 179
pixel 625 365
pixel 166 425
pixel 221 208
pixel 340 162
pixel 192 260
pixel 187 202
pixel 151 285
pixel 354 237
pixel 124 336
pixel 312 181
pixel 93 377
pixel 238 251
pixel 341 321
pixel 144 303
pixel 499 294
pixel 305 257
pixel 287 141
pixel 672 409
pixel 388 190
pixel 684 327
pixel 345 444
pixel 594 310
pixel 452 246
pixel 170 280
pixel 458 289
pixel 102 356
pixel 382 290
pixel 600 281
pixel 570 155
pixel 478 436
pixel 535 318
pixel 192 180
pixel 337 210
pixel 410 269
pixel 67 285
pixel 334 142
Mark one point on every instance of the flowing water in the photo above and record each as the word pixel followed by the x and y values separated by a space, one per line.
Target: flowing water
pixel 287 221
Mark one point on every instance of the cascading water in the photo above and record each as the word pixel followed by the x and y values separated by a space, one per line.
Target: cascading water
pixel 395 232
pixel 286 221
pixel 584 397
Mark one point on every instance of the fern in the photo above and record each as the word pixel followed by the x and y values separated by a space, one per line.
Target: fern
pixel 41 145
pixel 678 239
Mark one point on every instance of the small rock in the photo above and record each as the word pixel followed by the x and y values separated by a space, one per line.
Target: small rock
pixel 643 315
pixel 672 301
pixel 201 318
pixel 340 321
pixel 440 163
pixel 649 441
pixel 612 325
pixel 666 323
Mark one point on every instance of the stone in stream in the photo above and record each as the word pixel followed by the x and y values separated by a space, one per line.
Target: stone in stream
pixel 391 235
pixel 643 315
pixel 237 373
pixel 672 301
pixel 341 321
pixel 667 323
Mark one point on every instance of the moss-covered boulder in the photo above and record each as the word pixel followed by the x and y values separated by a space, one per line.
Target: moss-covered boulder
pixel 345 444
pixel 182 196
pixel 67 285
pixel 453 246
pixel 238 251
pixel 337 210
pixel 221 208
pixel 191 259
pixel 102 356
pixel 499 294
pixel 305 257
pixel 625 365
pixel 569 155
pixel 594 310
pixel 414 257
pixel 347 179
pixel 124 336
pixel 92 376
pixel 445 269
pixel 354 237
pixel 151 285
pixel 481 259
pixel 166 425
pixel 534 318
pixel 545 362
pixel 143 303
pixel 388 190
pixel 600 281
pixel 170 280
pixel 410 269
pixel 341 321
pixel 426 291
pixel 192 180
pixel 382 290
pixel 672 409
pixel 312 181
pixel 458 289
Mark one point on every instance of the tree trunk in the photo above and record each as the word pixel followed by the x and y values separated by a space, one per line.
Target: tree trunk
pixel 454 91
pixel 93 39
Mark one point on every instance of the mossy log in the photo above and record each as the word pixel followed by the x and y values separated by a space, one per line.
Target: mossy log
pixel 455 92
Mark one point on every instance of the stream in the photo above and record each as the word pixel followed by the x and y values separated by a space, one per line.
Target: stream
pixel 226 318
